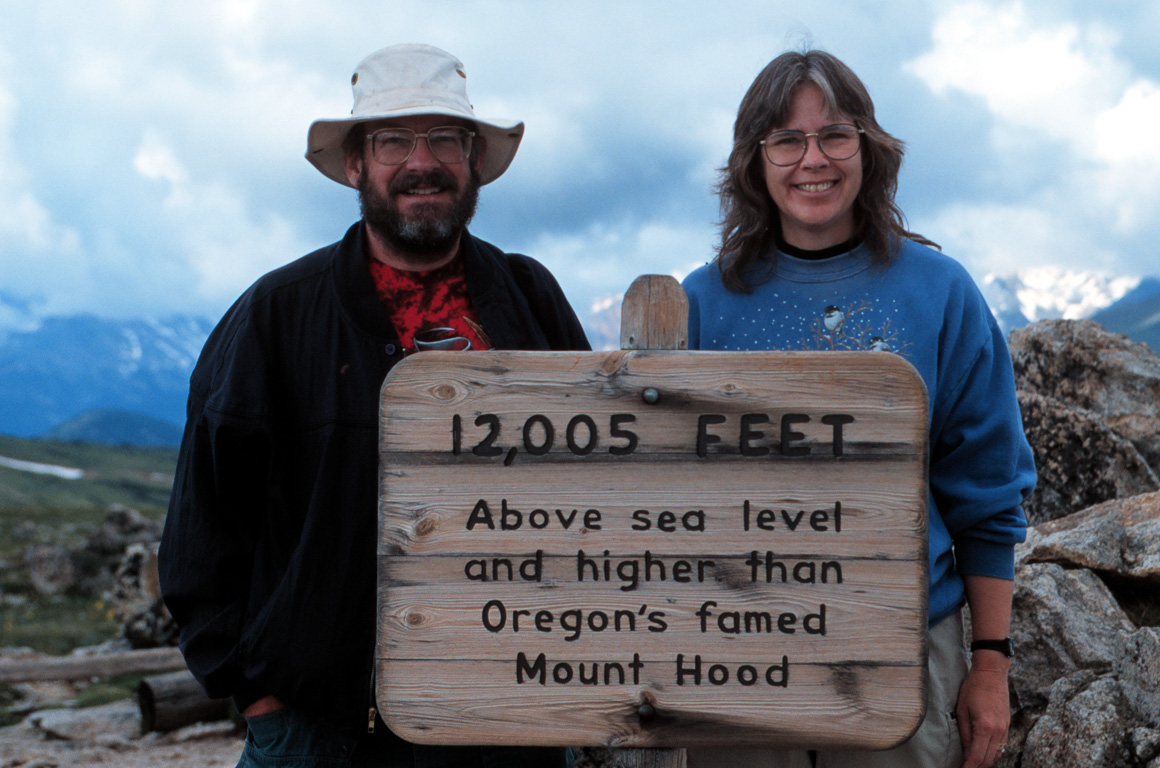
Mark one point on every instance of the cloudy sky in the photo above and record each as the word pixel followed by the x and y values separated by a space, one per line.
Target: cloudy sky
pixel 151 154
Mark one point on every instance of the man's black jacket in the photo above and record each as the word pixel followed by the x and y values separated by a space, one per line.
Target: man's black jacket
pixel 268 560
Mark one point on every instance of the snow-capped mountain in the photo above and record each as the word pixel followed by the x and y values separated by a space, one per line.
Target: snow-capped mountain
pixel 602 324
pixel 1044 293
pixel 67 366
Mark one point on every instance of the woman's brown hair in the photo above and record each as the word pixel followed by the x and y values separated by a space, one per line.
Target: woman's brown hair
pixel 750 224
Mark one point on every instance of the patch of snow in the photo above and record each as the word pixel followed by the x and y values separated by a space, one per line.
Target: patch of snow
pixel 68 473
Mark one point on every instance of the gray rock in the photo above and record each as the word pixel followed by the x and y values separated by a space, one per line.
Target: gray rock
pixel 201 731
pixel 26 531
pixel 1080 460
pixel 123 526
pixel 1084 726
pixel 50 568
pixel 1145 743
pixel 114 741
pixel 1140 675
pixel 1063 621
pixel 1085 681
pixel 29 697
pixel 119 720
pixel 1120 537
pixel 101 554
pixel 136 598
pixel 1080 363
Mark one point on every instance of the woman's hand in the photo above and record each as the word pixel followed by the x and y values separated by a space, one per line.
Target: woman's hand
pixel 984 709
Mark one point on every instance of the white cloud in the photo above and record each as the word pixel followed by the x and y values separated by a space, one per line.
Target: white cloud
pixel 1049 77
pixel 224 244
pixel 1129 131
pixel 32 244
pixel 155 160
pixel 1065 88
pixel 604 260
pixel 1124 142
pixel 992 237
pixel 151 154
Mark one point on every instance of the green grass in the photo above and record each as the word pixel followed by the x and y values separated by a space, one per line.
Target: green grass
pixel 67 512
pixel 109 689
pixel 64 511
pixel 136 477
pixel 57 624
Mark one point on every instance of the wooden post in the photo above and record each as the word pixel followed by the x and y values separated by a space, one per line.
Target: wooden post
pixel 172 701
pixel 654 315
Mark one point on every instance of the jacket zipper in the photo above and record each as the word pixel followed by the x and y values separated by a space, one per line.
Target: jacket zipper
pixel 372 710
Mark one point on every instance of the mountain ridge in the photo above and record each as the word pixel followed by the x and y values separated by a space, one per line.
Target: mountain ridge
pixel 85 378
pixel 70 365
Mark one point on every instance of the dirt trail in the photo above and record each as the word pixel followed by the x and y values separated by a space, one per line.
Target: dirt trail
pixel 25 746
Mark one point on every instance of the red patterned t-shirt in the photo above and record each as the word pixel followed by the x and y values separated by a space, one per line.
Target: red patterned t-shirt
pixel 433 299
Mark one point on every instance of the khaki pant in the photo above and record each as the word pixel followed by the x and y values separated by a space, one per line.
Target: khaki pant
pixel 936 744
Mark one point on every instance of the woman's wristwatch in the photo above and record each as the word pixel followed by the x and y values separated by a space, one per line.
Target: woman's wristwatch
pixel 1004 646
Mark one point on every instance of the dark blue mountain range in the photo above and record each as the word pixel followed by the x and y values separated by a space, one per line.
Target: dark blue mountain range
pixel 1136 315
pixel 86 378
pixel 71 366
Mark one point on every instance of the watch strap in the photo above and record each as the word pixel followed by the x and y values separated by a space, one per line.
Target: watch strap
pixel 1004 646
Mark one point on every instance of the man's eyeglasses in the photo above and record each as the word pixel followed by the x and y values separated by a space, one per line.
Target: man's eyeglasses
pixel 837 142
pixel 392 146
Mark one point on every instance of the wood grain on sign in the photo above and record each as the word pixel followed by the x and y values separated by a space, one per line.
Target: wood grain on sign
pixel 653 548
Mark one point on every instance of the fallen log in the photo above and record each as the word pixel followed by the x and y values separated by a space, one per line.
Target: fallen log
pixel 86 667
pixel 175 700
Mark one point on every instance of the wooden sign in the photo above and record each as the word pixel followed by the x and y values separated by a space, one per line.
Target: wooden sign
pixel 653 548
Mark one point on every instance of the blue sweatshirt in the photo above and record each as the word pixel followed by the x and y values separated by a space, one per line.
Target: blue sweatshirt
pixel 925 307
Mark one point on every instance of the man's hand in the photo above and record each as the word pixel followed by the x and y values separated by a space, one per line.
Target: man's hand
pixel 984 709
pixel 263 706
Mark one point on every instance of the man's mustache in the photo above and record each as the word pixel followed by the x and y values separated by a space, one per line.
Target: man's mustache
pixel 438 178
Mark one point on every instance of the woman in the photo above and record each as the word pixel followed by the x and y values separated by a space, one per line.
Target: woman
pixel 814 255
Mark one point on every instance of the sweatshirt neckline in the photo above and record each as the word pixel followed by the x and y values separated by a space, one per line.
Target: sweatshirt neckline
pixel 837 267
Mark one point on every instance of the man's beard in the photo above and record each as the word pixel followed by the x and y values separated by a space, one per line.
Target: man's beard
pixel 429 231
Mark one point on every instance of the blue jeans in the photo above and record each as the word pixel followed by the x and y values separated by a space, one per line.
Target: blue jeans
pixel 290 738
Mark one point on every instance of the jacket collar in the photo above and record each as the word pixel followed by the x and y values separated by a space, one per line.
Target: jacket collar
pixel 488 283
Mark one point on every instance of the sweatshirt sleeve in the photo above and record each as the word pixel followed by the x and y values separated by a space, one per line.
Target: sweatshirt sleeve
pixel 981 466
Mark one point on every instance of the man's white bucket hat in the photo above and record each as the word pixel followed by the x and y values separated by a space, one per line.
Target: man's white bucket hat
pixel 406 80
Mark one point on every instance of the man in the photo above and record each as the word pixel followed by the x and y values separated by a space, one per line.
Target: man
pixel 268 560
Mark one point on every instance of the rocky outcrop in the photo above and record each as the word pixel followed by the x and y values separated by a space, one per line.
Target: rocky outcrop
pixel 120 720
pixel 90 568
pixel 1091 410
pixel 1080 364
pixel 110 735
pixel 1080 460
pixel 1118 540
pixel 136 597
pixel 123 526
pixel 1085 684
pixel 50 568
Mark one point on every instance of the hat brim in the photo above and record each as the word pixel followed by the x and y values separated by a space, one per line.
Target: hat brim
pixel 325 138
